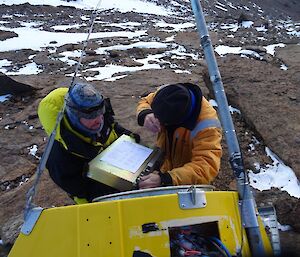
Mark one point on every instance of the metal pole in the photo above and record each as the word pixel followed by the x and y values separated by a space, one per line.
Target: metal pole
pixel 248 207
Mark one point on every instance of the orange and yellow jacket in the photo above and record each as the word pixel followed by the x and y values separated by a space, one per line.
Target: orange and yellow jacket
pixel 191 156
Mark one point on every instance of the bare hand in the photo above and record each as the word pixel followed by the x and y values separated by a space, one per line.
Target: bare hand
pixel 150 181
pixel 151 123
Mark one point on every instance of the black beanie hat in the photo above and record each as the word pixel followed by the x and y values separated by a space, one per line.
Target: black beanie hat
pixel 172 104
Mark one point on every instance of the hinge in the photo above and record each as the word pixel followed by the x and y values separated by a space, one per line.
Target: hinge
pixel 192 198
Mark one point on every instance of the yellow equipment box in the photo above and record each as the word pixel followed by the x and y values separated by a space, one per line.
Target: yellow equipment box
pixel 148 222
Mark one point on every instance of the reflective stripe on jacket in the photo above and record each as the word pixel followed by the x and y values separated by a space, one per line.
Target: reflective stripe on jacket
pixel 193 157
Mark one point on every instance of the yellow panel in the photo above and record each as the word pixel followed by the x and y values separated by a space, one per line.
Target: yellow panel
pixel 99 230
pixel 114 228
pixel 54 232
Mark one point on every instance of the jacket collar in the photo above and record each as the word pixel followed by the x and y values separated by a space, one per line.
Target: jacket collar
pixel 192 121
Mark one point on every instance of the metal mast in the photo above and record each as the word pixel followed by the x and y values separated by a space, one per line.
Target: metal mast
pixel 247 203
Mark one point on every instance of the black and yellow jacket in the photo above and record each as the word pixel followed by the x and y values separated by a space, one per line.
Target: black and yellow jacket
pixel 72 151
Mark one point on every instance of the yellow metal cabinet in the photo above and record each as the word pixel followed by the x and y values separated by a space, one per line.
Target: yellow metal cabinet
pixel 135 222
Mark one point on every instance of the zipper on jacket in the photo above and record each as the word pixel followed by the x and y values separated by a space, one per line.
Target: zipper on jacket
pixel 168 147
pixel 174 146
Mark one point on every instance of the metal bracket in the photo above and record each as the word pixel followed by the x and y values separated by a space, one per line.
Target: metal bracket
pixel 193 198
pixel 269 218
pixel 31 219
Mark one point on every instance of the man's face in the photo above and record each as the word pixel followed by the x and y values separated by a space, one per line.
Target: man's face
pixel 94 123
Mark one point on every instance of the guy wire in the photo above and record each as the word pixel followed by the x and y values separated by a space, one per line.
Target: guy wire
pixel 42 164
pixel 92 22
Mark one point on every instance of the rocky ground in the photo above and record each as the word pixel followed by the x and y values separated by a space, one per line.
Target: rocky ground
pixel 267 96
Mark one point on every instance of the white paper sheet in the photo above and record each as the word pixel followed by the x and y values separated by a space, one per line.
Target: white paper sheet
pixel 127 155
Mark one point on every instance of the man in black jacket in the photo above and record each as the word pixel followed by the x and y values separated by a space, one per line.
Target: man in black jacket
pixel 87 127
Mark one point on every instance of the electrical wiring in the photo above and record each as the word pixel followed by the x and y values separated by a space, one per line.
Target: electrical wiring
pixel 219 249
pixel 220 244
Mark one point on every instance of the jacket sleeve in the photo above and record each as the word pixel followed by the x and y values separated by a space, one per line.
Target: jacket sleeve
pixel 205 163
pixel 66 170
pixel 120 130
pixel 144 108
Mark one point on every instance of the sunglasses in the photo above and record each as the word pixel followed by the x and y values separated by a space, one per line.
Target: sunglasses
pixel 90 113
pixel 90 110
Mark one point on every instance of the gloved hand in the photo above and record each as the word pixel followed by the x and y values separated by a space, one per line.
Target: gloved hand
pixel 78 200
pixel 136 137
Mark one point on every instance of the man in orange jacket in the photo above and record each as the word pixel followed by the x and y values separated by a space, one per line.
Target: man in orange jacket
pixel 189 133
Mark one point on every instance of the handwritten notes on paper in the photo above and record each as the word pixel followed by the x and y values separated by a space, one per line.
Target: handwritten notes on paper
pixel 127 155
